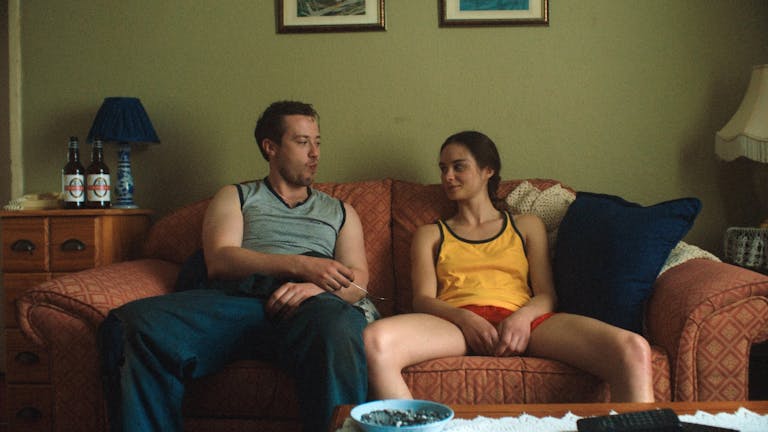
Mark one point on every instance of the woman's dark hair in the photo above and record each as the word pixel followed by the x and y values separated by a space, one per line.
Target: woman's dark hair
pixel 271 125
pixel 486 155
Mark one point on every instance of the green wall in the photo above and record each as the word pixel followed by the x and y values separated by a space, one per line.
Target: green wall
pixel 615 96
pixel 5 153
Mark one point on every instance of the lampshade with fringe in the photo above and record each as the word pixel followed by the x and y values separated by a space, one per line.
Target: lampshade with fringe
pixel 746 134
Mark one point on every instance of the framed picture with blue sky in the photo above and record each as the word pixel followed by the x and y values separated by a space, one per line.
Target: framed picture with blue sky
pixel 471 13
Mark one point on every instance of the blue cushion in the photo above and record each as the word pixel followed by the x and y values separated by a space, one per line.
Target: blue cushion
pixel 609 252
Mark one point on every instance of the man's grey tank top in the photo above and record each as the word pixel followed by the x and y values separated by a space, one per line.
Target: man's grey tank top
pixel 270 226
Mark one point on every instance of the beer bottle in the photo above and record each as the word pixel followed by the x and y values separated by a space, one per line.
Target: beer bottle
pixel 73 178
pixel 97 179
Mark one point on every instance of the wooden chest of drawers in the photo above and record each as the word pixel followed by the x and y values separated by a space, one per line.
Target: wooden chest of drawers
pixel 38 246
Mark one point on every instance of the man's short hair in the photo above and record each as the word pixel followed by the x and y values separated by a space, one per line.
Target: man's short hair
pixel 271 125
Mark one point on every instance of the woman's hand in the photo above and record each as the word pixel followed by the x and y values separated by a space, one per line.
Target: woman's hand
pixel 481 336
pixel 514 334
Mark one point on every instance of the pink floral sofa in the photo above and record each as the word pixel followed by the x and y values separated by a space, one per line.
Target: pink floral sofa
pixel 701 321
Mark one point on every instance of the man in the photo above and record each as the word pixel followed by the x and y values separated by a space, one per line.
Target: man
pixel 280 259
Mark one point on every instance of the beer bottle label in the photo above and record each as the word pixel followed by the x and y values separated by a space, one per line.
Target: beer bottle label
pixel 98 187
pixel 73 187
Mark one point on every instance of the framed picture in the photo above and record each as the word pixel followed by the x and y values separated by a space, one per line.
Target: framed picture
pixel 470 13
pixel 314 16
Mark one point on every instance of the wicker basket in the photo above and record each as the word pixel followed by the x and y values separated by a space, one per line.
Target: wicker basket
pixel 746 247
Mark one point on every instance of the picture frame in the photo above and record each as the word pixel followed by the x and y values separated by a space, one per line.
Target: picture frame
pixel 478 13
pixel 317 16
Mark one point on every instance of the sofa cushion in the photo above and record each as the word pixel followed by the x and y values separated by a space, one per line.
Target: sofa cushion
pixel 415 204
pixel 372 201
pixel 549 204
pixel 450 380
pixel 609 252
pixel 177 235
pixel 517 379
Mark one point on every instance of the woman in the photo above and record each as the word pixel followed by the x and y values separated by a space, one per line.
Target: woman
pixel 482 284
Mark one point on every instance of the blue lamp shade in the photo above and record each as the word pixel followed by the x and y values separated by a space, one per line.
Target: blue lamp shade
pixel 123 120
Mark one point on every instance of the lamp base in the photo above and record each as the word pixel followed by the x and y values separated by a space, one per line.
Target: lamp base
pixel 759 183
pixel 124 185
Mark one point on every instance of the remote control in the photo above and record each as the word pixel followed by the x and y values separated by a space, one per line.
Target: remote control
pixel 656 420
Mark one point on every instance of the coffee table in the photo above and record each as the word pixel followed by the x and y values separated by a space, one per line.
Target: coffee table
pixel 581 409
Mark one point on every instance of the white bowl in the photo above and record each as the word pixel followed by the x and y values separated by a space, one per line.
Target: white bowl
pixel 402 405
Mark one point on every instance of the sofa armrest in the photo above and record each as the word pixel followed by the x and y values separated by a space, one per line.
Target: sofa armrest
pixel 89 295
pixel 707 314
pixel 62 315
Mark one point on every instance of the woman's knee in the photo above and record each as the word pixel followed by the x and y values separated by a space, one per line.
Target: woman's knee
pixel 636 351
pixel 374 338
pixel 379 344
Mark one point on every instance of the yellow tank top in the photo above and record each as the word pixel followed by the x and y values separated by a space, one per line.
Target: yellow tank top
pixel 491 272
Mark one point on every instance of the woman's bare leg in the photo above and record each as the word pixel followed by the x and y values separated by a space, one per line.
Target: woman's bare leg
pixel 620 357
pixel 393 343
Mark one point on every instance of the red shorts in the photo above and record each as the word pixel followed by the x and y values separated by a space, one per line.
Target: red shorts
pixel 495 314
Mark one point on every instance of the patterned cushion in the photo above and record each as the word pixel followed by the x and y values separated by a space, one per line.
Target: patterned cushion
pixel 506 380
pixel 372 201
pixel 549 204
pixel 177 235
pixel 451 380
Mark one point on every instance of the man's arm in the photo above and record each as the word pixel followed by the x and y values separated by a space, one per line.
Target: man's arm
pixel 227 259
pixel 222 242
pixel 350 251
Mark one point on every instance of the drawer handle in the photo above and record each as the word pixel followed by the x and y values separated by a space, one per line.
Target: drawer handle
pixel 73 245
pixel 29 413
pixel 23 245
pixel 27 358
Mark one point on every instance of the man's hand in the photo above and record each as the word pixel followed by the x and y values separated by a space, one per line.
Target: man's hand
pixel 327 274
pixel 284 302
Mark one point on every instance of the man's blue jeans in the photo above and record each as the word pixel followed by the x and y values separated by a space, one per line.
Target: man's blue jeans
pixel 149 347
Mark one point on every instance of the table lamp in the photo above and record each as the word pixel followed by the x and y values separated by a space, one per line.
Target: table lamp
pixel 746 134
pixel 123 120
